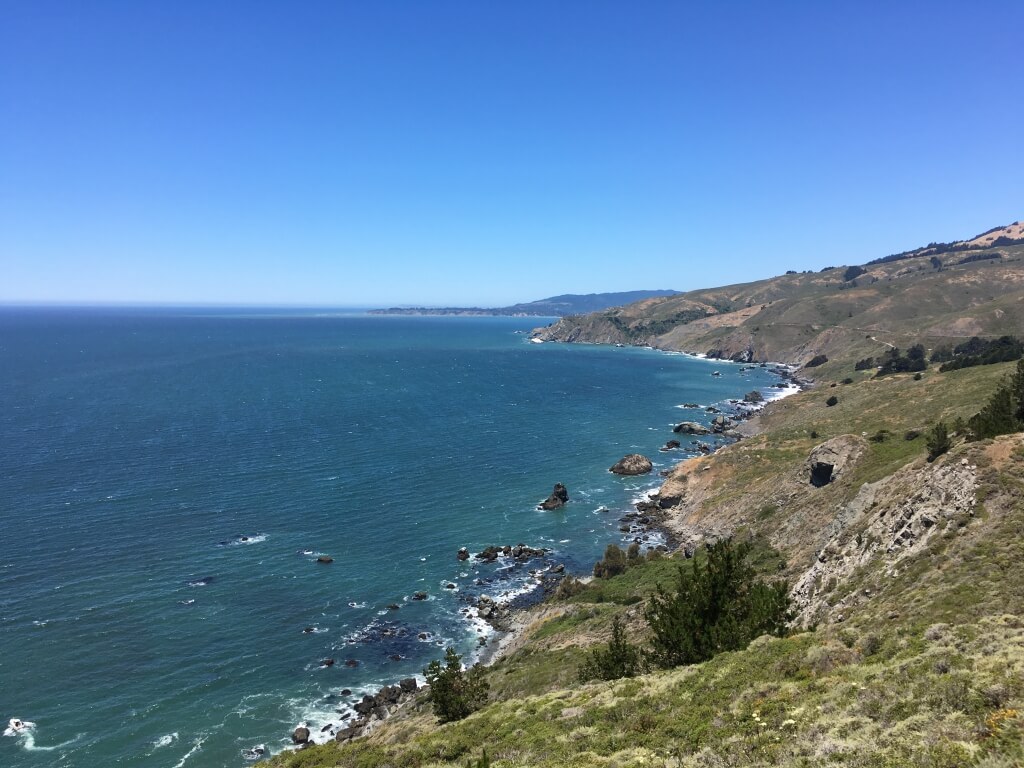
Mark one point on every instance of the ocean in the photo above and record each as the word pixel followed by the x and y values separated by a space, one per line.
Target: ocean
pixel 169 478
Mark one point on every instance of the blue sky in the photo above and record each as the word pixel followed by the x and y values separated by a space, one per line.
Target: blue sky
pixel 368 153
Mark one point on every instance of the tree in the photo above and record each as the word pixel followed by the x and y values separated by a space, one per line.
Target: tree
pixel 718 605
pixel 937 441
pixel 453 692
pixel 618 659
pixel 615 562
pixel 998 417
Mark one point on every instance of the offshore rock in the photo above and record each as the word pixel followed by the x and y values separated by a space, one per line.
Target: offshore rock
pixel 300 735
pixel 690 428
pixel 557 499
pixel 633 464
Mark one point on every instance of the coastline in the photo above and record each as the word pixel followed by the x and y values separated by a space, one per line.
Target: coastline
pixel 506 628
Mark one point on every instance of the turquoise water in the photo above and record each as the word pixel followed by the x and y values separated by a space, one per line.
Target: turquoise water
pixel 167 479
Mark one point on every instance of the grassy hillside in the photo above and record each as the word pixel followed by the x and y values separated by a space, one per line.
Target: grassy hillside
pixel 794 317
pixel 911 656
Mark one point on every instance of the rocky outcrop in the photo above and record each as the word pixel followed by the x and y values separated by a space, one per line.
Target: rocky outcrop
pixel 671 445
pixel 300 735
pixel 753 397
pixel 633 464
pixel 559 496
pixel 517 552
pixel 375 708
pixel 886 523
pixel 691 428
pixel 830 459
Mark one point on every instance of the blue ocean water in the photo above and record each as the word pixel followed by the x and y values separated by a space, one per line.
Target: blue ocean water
pixel 168 478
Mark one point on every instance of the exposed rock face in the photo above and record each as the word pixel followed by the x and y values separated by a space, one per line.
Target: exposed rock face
pixel 884 524
pixel 691 428
pixel 557 499
pixel 828 460
pixel 633 464
pixel 300 735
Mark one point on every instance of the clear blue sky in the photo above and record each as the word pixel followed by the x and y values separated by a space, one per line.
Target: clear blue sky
pixel 354 153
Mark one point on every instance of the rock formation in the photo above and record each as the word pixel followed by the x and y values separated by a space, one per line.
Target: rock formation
pixel 633 464
pixel 557 499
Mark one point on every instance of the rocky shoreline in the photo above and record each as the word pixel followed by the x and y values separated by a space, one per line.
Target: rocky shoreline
pixel 510 619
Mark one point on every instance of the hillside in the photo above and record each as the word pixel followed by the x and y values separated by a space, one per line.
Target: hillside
pixel 554 306
pixel 839 312
pixel 906 644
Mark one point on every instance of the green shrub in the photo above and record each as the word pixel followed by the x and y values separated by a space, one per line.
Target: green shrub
pixel 718 605
pixel 615 561
pixel 832 401
pixel 453 692
pixel 618 659
pixel 1004 412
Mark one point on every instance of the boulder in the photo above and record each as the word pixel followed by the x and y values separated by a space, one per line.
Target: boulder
pixel 408 685
pixel 633 464
pixel 671 445
pixel 325 559
pixel 463 554
pixel 300 735
pixel 420 596
pixel 690 428
pixel 557 499
pixel 753 397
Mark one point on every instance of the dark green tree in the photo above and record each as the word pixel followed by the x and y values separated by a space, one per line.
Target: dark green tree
pixel 718 605
pixel 998 417
pixel 615 561
pixel 453 692
pixel 619 658
pixel 937 441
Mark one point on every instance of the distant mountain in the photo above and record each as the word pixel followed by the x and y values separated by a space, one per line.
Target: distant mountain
pixel 555 306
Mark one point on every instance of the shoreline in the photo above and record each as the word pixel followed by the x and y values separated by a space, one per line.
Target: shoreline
pixel 513 616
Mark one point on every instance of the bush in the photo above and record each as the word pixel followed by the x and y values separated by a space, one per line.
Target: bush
pixel 865 365
pixel 977 351
pixel 718 605
pixel 853 272
pixel 832 401
pixel 816 361
pixel 847 380
pixel 894 362
pixel 455 694
pixel 618 659
pixel 615 561
pixel 937 441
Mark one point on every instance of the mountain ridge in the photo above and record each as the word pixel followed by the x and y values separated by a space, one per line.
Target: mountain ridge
pixel 553 306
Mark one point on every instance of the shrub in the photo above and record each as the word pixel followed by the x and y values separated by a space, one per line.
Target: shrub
pixel 977 351
pixel 454 693
pixel 937 441
pixel 832 401
pixel 847 380
pixel 618 659
pixel 718 605
pixel 816 361
pixel 865 365
pixel 615 561
pixel 853 272
pixel 894 362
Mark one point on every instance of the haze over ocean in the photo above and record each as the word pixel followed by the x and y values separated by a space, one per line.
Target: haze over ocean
pixel 138 627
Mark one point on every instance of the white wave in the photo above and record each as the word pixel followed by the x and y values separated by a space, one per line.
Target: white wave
pixel 354 604
pixel 195 748
pixel 166 740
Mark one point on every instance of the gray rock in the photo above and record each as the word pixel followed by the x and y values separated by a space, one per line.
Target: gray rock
pixel 300 735
pixel 633 464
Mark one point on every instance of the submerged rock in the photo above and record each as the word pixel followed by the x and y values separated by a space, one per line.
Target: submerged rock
pixel 633 464
pixel 325 559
